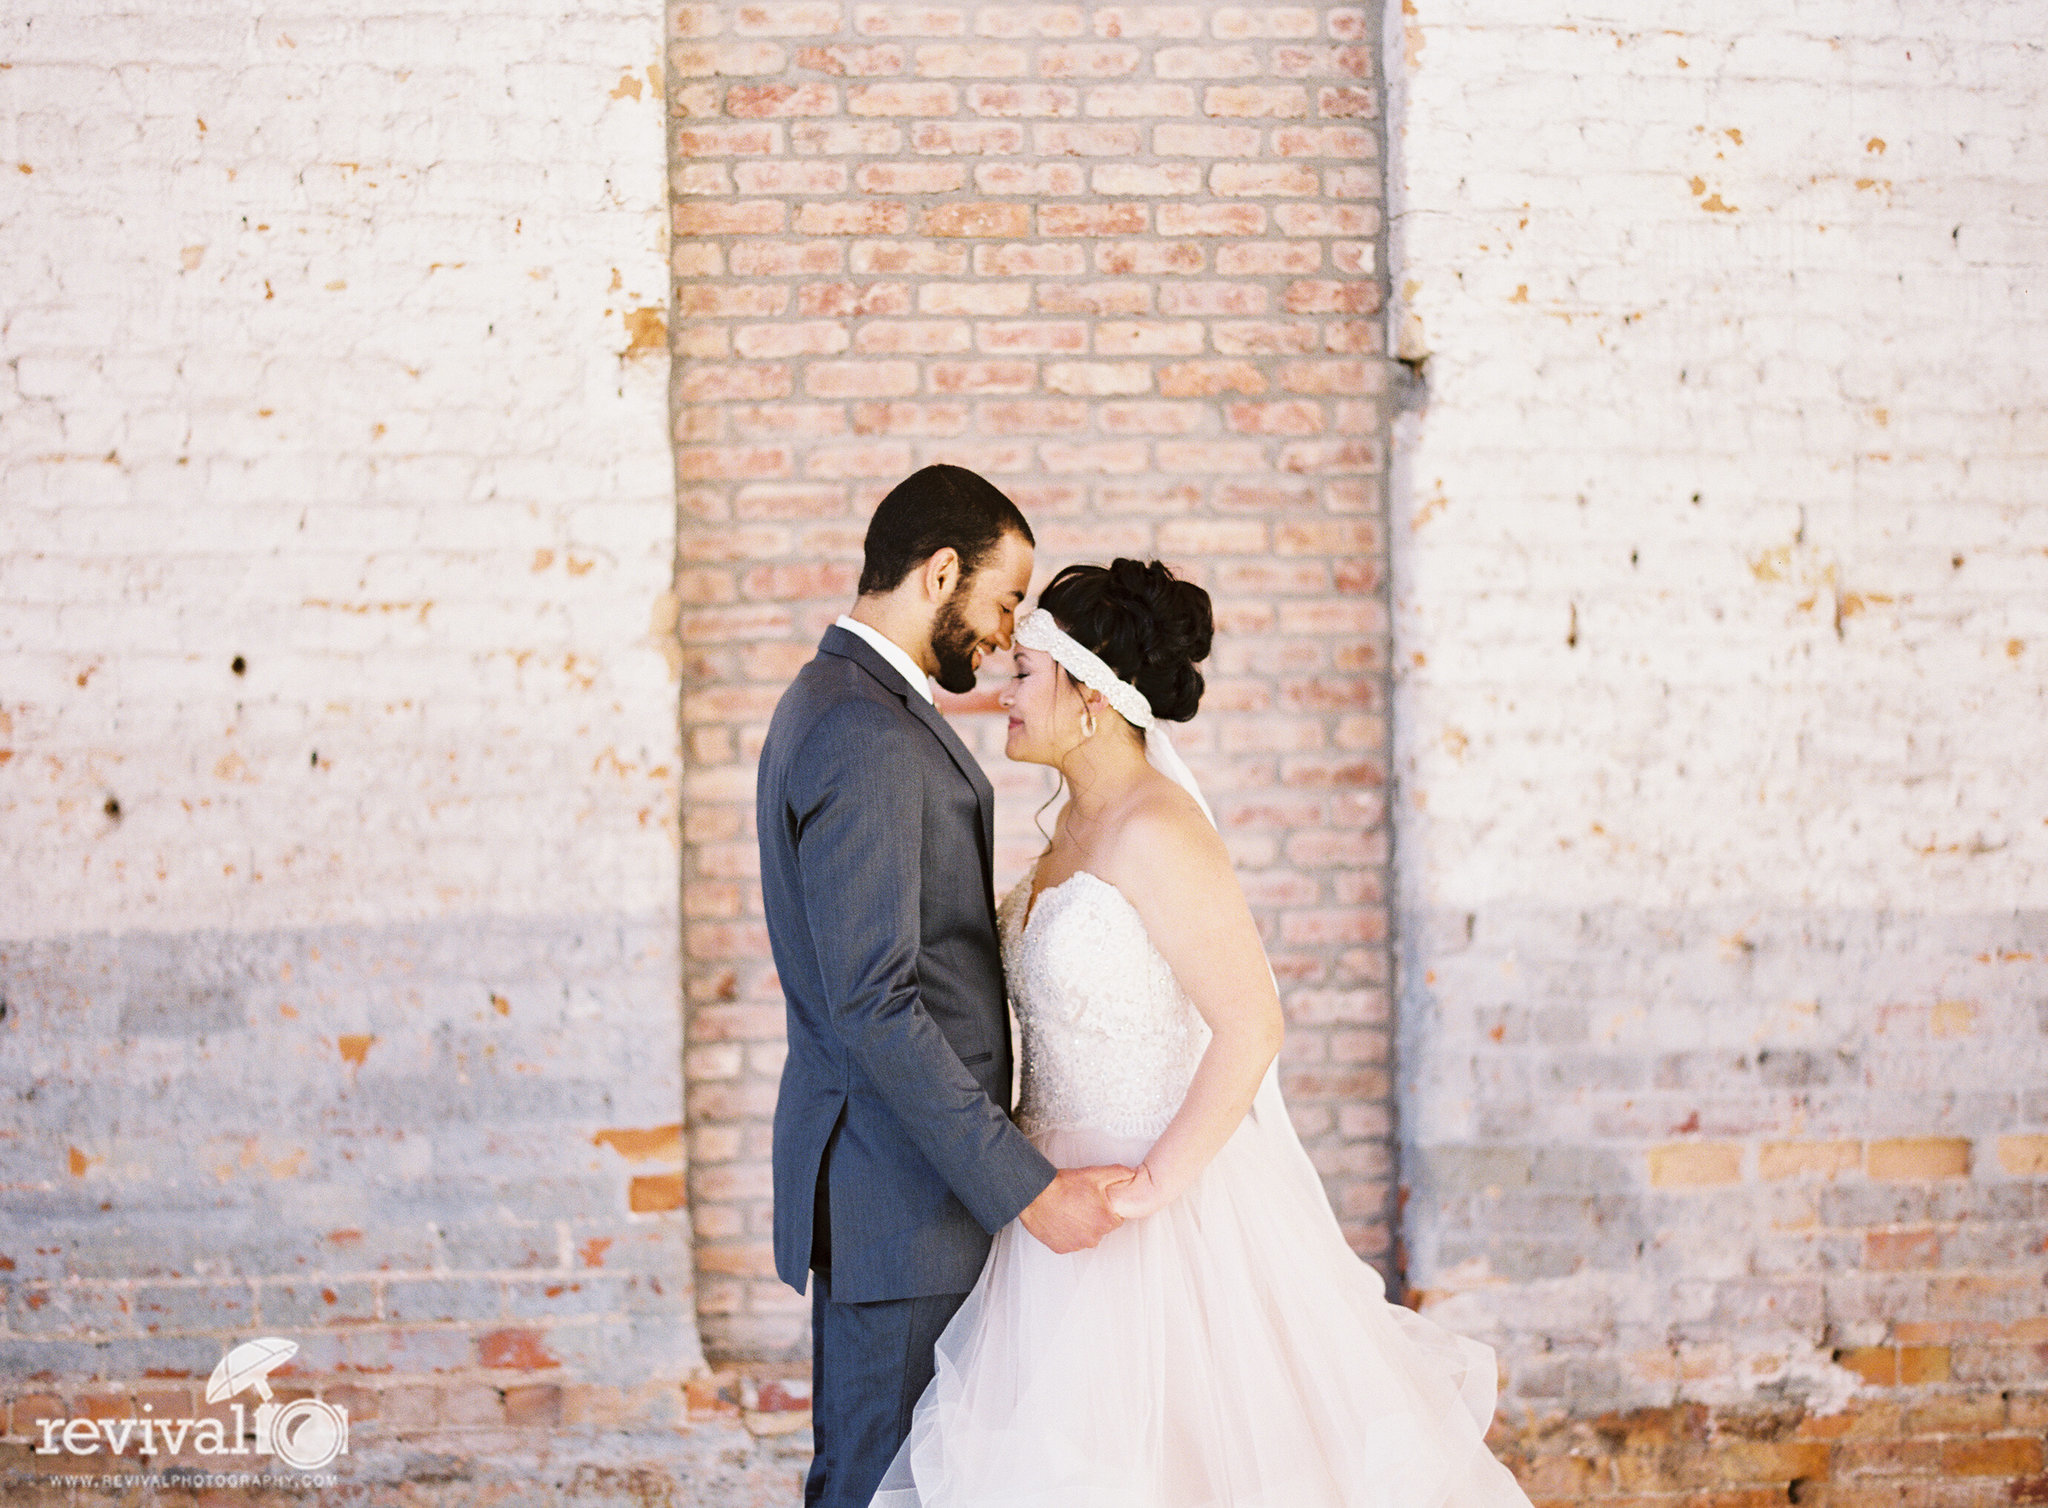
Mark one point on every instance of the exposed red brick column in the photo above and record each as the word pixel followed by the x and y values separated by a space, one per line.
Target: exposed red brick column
pixel 1124 261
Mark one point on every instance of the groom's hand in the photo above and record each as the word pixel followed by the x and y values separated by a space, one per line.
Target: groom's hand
pixel 1073 1213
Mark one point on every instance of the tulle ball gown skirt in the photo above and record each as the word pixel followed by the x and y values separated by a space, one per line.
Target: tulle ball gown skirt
pixel 1229 1351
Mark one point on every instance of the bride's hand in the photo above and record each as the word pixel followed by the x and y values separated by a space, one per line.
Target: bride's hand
pixel 1135 1197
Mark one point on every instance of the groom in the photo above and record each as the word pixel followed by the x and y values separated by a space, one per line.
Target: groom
pixel 895 1157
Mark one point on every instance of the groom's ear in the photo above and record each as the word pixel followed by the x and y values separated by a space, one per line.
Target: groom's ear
pixel 941 573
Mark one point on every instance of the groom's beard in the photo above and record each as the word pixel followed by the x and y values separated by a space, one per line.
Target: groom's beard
pixel 953 645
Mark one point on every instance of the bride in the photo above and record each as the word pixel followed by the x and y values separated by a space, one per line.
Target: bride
pixel 1223 1347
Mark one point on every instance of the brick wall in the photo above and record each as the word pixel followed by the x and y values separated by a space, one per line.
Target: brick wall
pixel 339 933
pixel 1954 1450
pixel 1122 260
pixel 1718 647
pixel 341 547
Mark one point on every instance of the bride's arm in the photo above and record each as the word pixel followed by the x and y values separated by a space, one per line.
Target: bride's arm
pixel 1181 884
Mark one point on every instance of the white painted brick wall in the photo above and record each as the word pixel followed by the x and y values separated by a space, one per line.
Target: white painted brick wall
pixel 334 338
pixel 1721 618
pixel 312 354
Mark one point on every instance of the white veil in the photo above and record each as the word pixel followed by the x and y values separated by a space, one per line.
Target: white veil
pixel 1468 1363
pixel 1269 1109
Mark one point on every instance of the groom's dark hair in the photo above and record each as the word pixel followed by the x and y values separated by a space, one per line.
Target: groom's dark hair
pixel 927 511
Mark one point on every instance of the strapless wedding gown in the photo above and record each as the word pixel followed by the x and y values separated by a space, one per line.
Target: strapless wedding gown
pixel 1228 1351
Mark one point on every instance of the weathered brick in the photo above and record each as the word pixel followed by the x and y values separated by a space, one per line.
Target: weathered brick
pixel 1154 418
pixel 913 336
pixel 2024 1156
pixel 860 379
pixel 1996 1455
pixel 1138 178
pixel 851 60
pixel 810 338
pixel 1094 298
pixel 1176 258
pixel 909 20
pixel 907 257
pixel 1097 379
pixel 831 138
pixel 1262 180
pixel 1263 100
pixel 1209 378
pixel 1343 100
pixel 1205 141
pixel 1030 20
pixel 988 219
pixel 785 258
pixel 755 101
pixel 1787 1159
pixel 969 137
pixel 1085 141
pixel 786 18
pixel 1693 1164
pixel 750 218
pixel 974 298
pixel 1046 178
pixel 1128 100
pixel 905 99
pixel 982 376
pixel 1324 141
pixel 1918 1157
pixel 1326 219
pixel 1211 219
pixel 737 59
pixel 1205 62
pixel 1024 101
pixel 1091 60
pixel 1241 21
pixel 851 218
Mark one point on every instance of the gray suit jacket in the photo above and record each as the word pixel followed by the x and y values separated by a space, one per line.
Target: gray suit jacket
pixel 876 829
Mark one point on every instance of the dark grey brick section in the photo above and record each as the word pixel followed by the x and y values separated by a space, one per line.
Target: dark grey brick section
pixel 584 1296
pixel 497 1244
pixel 305 1305
pixel 198 1308
pixel 704 1464
pixel 421 1301
pixel 236 1168
pixel 116 1360
pixel 1550 1049
pixel 68 1310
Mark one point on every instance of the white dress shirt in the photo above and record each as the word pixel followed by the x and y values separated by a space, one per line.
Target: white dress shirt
pixel 894 653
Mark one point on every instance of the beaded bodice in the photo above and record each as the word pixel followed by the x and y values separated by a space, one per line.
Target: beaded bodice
pixel 1110 1040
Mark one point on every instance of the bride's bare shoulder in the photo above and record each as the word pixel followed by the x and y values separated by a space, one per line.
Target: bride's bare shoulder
pixel 1163 828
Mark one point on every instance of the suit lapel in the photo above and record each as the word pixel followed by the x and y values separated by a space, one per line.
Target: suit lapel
pixel 851 646
pixel 984 793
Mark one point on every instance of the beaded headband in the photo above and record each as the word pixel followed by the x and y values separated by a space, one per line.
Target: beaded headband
pixel 1037 630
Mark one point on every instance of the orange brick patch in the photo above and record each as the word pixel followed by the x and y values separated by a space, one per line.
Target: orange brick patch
pixel 1692 1164
pixel 1793 1159
pixel 655 1193
pixel 1913 1157
pixel 2024 1156
pixel 1872 1453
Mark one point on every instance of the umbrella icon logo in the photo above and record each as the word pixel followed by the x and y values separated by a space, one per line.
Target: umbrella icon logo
pixel 307 1432
pixel 249 1365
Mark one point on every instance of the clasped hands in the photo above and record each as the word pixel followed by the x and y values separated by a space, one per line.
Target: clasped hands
pixel 1082 1205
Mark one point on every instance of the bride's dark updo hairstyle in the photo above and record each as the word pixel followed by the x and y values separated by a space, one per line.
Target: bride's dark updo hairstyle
pixel 1148 625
